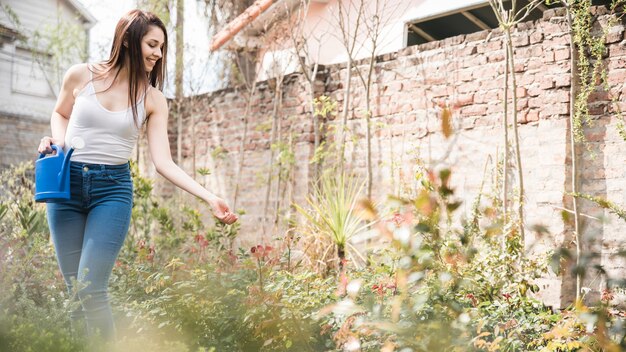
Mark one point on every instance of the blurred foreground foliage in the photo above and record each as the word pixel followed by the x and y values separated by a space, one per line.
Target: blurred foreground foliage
pixel 432 280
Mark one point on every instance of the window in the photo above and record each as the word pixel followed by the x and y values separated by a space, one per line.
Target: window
pixel 466 20
pixel 28 77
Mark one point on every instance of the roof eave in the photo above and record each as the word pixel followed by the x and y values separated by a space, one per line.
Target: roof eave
pixel 90 20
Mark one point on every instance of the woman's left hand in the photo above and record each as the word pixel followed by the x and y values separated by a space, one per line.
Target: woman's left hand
pixel 221 211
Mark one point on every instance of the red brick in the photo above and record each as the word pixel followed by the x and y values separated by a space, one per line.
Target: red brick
pixel 535 91
pixel 616 77
pixel 562 80
pixel 464 100
pixel 490 46
pixel 430 80
pixel 492 84
pixel 534 64
pixel 559 96
pixel 474 110
pixel 486 96
pixel 561 54
pixel 466 87
pixel 617 50
pixel 536 37
pixel 615 34
pixel 465 75
pixel 546 83
pixel 536 102
pixel 520 40
pixel 599 96
pixel 548 56
pixel 532 115
pixel 485 72
pixel 495 56
pixel 526 79
pixel 617 63
pixel 474 61
pixel 549 110
pixel 597 109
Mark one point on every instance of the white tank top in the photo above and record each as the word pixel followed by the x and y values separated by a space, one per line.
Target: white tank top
pixel 109 136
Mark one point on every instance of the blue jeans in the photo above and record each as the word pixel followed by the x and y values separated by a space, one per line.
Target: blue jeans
pixel 88 231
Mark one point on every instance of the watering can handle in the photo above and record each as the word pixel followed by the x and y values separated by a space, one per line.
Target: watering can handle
pixel 54 147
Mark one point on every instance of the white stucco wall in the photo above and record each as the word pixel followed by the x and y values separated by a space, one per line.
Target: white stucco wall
pixel 27 90
pixel 322 19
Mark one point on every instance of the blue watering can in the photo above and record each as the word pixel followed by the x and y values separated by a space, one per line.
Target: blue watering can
pixel 52 173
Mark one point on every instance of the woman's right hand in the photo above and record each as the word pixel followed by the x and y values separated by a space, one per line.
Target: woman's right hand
pixel 221 211
pixel 45 145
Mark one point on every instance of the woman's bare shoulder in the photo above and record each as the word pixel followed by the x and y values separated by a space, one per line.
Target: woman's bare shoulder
pixel 155 101
pixel 78 73
pixel 76 78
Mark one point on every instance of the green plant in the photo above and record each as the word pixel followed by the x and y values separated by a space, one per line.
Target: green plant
pixel 334 215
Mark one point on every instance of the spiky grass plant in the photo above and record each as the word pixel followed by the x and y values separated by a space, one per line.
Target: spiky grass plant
pixel 333 214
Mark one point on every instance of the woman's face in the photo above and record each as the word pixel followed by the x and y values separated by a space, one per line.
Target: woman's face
pixel 152 46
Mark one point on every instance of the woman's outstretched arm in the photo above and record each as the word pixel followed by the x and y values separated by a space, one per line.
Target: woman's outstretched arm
pixel 158 144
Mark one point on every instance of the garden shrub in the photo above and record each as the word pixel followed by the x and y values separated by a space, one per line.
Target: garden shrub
pixel 429 283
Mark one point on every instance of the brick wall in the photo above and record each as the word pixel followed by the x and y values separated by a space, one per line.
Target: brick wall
pixel 468 72
pixel 22 138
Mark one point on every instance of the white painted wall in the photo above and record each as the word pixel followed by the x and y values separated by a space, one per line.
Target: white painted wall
pixel 324 38
pixel 24 89
pixel 322 25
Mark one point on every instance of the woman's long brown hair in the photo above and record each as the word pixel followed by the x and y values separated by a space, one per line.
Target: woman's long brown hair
pixel 129 32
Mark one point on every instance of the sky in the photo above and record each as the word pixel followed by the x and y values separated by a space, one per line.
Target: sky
pixel 199 78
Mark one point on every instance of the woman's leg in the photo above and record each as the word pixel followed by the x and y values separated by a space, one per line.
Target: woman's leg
pixel 105 231
pixel 67 225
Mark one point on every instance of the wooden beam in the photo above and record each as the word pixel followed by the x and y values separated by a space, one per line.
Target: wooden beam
pixel 475 20
pixel 238 23
pixel 421 33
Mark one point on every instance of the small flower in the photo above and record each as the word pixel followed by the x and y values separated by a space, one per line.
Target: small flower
pixel 607 296
pixel 231 256
pixel 201 240
pixel 397 219
pixel 260 251
pixel 378 289
pixel 507 296
pixel 151 251
pixel 472 298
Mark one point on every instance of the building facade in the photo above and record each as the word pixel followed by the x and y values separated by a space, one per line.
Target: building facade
pixel 468 71
pixel 38 42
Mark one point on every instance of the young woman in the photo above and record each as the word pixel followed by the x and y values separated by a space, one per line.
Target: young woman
pixel 107 104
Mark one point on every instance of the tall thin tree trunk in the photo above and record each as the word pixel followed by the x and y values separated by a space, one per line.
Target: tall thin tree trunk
pixel 518 155
pixel 280 172
pixel 242 144
pixel 572 138
pixel 505 123
pixel 277 95
pixel 317 168
pixel 192 117
pixel 344 120
pixel 178 81
pixel 368 138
